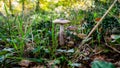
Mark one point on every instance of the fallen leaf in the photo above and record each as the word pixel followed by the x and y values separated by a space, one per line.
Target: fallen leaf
pixel 117 64
pixel 119 1
pixel 72 28
pixel 25 63
pixel 115 36
pixel 70 44
pixel 39 66
pixel 82 36
pixel 97 19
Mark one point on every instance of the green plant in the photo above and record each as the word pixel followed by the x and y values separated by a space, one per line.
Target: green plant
pixel 102 64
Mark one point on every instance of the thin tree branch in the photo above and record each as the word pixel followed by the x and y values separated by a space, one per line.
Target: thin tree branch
pixel 94 28
pixel 99 22
pixel 113 48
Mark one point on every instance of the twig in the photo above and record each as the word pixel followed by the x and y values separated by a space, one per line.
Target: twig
pixel 95 27
pixel 113 48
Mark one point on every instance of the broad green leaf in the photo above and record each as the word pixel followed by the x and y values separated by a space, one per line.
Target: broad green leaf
pixel 102 64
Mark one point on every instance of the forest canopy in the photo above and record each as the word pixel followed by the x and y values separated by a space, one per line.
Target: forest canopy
pixel 15 6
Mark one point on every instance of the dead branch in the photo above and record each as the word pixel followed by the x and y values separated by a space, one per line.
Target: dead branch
pixel 113 48
pixel 94 28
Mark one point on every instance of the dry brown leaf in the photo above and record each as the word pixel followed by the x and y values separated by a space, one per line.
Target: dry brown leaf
pixel 51 62
pixel 70 44
pixel 117 64
pixel 56 66
pixel 119 1
pixel 29 47
pixel 82 36
pixel 39 66
pixel 99 57
pixel 25 63
pixel 72 28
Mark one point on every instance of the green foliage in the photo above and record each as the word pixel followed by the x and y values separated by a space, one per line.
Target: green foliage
pixel 41 51
pixel 116 39
pixel 42 31
pixel 37 29
pixel 102 64
pixel 6 52
pixel 63 60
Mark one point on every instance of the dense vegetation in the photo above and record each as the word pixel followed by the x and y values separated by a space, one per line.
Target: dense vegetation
pixel 29 37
